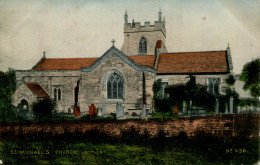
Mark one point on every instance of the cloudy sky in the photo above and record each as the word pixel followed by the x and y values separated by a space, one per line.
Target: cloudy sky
pixel 84 28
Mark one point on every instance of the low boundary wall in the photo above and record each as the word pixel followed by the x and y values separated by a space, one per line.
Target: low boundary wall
pixel 232 125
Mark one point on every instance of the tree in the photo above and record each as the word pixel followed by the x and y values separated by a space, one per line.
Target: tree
pixel 43 109
pixel 7 88
pixel 230 80
pixel 251 76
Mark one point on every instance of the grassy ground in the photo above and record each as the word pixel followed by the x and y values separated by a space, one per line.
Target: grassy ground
pixel 131 149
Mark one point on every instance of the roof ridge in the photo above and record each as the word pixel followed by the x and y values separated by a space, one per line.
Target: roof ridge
pixel 196 51
pixel 31 83
pixel 73 58
pixel 140 55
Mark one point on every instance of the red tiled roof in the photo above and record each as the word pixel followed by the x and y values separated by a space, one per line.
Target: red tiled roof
pixel 64 63
pixel 36 89
pixel 193 62
pixel 78 63
pixel 144 60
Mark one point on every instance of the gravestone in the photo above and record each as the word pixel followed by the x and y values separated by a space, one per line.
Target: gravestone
pixel 103 109
pixel 226 108
pixel 231 104
pixel 99 111
pixel 92 111
pixel 217 107
pixel 175 109
pixel 143 111
pixel 119 110
pixel 184 107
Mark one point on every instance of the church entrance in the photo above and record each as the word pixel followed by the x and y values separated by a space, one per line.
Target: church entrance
pixel 23 105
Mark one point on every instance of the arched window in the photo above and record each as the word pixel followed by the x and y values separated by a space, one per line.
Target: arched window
pixel 59 94
pixel 142 46
pixel 55 94
pixel 115 86
pixel 162 93
pixel 213 85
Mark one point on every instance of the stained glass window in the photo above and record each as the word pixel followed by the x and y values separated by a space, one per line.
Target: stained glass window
pixel 115 87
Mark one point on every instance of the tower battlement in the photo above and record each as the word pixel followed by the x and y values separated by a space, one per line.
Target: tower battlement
pixel 147 27
pixel 141 39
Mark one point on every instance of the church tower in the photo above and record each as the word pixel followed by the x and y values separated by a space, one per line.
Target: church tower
pixel 143 40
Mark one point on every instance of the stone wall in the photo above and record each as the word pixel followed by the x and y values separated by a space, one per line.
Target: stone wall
pixel 92 87
pixel 246 125
pixel 151 33
pixel 200 79
pixel 65 80
pixel 23 93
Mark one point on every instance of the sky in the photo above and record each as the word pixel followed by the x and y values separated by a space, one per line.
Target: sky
pixel 85 28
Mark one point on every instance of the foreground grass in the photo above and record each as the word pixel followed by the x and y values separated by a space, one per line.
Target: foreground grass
pixel 129 150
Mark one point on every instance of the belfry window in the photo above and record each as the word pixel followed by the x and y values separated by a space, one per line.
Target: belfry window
pixel 115 87
pixel 213 86
pixel 142 46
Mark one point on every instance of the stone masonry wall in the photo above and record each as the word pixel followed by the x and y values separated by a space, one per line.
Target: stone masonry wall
pixel 220 126
pixel 131 42
pixel 92 87
pixel 65 80
pixel 200 79
pixel 95 82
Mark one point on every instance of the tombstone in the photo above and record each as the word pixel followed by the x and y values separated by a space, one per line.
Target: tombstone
pixel 103 109
pixel 119 110
pixel 190 106
pixel 92 111
pixel 217 107
pixel 226 108
pixel 231 104
pixel 144 111
pixel 175 109
pixel 184 107
pixel 99 111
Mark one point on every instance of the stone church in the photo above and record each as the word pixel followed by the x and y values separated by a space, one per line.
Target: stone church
pixel 120 78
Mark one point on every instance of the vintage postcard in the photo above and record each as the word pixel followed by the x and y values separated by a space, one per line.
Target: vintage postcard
pixel 129 82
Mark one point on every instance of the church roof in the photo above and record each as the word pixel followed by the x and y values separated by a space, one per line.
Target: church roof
pixel 144 60
pixel 193 63
pixel 78 63
pixel 207 62
pixel 37 89
pixel 64 63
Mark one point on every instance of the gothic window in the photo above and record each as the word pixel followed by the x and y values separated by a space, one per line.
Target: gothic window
pixel 115 87
pixel 57 94
pixel 162 93
pixel 142 46
pixel 213 86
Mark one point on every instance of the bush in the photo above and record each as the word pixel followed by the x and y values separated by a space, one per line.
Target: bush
pixel 43 109
pixel 134 114
pixel 230 80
